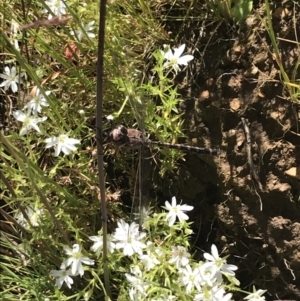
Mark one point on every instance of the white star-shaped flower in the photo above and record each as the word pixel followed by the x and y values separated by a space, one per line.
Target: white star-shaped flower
pixel 143 215
pixel 62 276
pixel 174 59
pixel 34 216
pixel 62 143
pixel 179 256
pixel 214 293
pixel 176 211
pixel 190 278
pixel 29 122
pixel 35 105
pixel 150 260
pixel 76 259
pixel 218 265
pixel 128 238
pixel 87 31
pixel 256 295
pixel 11 78
pixel 138 285
pixel 98 244
pixel 57 7
pixel 207 274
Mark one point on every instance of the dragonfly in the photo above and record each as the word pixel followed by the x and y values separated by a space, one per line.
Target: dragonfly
pixel 133 138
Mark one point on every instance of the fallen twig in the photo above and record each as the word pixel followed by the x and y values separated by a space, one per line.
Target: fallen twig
pixel 252 167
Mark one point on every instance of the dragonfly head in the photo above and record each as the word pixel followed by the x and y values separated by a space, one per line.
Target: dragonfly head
pixel 119 135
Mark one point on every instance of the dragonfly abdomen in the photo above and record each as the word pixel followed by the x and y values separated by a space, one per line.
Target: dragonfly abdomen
pixel 182 147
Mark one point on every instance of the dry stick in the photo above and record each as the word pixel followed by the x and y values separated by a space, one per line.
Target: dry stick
pixel 99 139
pixel 250 161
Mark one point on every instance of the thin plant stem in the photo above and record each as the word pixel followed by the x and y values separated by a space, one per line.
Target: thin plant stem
pixel 99 135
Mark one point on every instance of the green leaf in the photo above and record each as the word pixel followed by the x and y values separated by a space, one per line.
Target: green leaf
pixel 241 9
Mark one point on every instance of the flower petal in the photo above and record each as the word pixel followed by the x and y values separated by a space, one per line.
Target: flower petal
pixel 185 59
pixel 214 251
pixel 178 51
pixel 19 115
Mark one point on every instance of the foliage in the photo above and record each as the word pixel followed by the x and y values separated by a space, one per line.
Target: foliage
pixel 236 10
pixel 291 83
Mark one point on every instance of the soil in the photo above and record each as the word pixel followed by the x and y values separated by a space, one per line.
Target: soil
pixel 234 77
